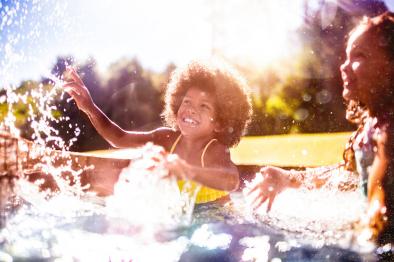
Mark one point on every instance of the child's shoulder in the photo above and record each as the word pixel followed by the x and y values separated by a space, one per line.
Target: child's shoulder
pixel 217 146
pixel 165 136
pixel 217 151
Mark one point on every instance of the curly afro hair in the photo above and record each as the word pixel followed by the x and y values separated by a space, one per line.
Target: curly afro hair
pixel 230 91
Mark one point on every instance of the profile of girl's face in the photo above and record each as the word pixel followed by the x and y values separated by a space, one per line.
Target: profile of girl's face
pixel 367 71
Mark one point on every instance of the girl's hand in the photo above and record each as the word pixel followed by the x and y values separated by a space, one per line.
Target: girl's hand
pixel 275 180
pixel 369 226
pixel 376 215
pixel 76 89
pixel 178 167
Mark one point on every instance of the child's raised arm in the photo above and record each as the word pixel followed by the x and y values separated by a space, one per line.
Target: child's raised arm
pixel 109 130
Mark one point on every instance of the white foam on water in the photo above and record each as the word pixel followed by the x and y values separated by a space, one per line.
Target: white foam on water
pixel 314 216
pixel 143 197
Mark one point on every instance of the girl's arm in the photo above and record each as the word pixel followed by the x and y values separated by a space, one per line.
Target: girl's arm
pixel 121 138
pixel 273 180
pixel 333 176
pixel 219 171
pixel 376 194
pixel 109 130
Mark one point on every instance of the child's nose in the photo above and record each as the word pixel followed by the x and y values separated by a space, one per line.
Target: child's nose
pixel 344 67
pixel 191 109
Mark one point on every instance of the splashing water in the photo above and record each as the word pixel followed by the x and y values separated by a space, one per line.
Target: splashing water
pixel 125 224
pixel 159 201
pixel 140 187
pixel 73 224
pixel 46 224
pixel 39 226
pixel 315 216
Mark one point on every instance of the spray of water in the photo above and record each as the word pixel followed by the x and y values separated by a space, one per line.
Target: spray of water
pixel 142 203
pixel 38 226
pixel 158 200
pixel 317 216
pixel 48 225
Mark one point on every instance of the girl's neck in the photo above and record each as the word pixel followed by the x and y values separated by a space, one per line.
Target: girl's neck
pixel 194 143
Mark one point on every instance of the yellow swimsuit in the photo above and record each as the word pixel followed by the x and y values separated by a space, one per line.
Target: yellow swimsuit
pixel 206 194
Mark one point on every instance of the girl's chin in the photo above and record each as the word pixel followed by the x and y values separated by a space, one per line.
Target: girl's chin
pixel 187 131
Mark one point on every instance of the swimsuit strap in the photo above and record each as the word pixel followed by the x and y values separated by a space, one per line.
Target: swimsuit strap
pixel 175 144
pixel 203 152
pixel 204 194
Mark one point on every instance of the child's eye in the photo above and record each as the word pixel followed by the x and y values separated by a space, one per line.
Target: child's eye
pixel 359 55
pixel 205 106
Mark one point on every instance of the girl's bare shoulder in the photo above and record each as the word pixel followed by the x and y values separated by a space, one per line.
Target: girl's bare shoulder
pixel 218 153
pixel 165 137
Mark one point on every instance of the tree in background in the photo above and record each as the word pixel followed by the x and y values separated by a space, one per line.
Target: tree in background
pixel 132 102
pixel 308 98
pixel 127 96
pixel 305 98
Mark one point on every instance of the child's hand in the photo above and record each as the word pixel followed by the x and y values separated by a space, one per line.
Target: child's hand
pixel 178 167
pixel 76 89
pixel 368 227
pixel 377 218
pixel 275 180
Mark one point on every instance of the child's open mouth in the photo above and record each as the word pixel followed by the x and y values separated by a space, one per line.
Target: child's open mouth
pixel 190 121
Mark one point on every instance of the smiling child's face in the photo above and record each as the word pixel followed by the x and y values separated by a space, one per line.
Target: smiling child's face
pixel 367 69
pixel 196 115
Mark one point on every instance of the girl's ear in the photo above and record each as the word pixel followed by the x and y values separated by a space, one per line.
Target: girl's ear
pixel 218 128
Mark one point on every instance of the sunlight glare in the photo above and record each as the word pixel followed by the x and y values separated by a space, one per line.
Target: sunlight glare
pixel 259 33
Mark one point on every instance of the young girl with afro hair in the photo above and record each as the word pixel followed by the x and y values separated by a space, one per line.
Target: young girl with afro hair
pixel 207 109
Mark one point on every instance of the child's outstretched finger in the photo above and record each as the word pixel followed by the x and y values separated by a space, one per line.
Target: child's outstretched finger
pixel 71 92
pixel 259 201
pixel 256 198
pixel 71 75
pixel 71 88
pixel 253 189
pixel 66 75
pixel 270 202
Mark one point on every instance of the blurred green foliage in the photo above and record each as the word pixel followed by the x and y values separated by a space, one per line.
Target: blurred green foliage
pixel 303 97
